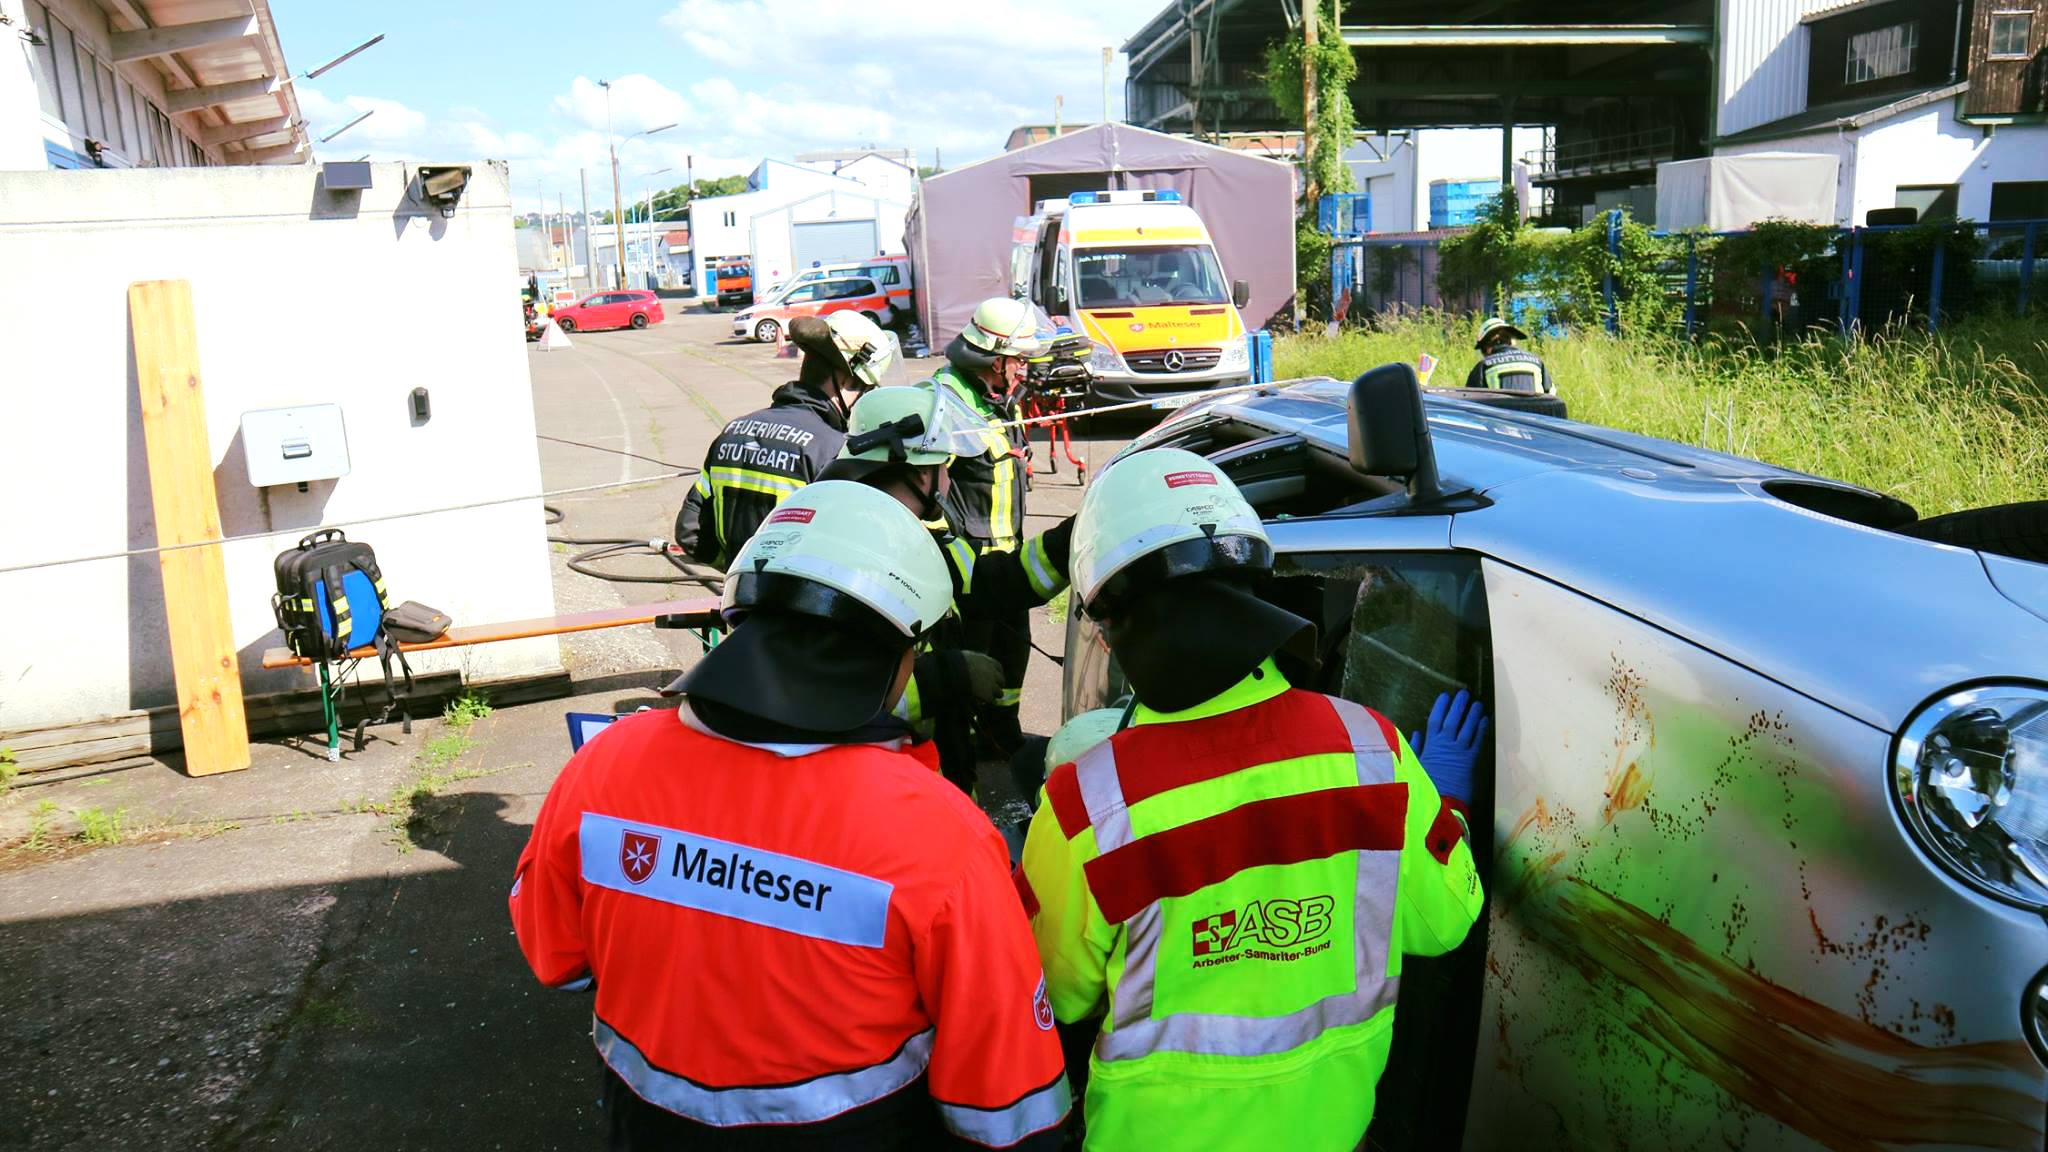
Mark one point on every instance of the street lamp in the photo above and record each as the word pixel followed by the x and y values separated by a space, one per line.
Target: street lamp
pixel 650 218
pixel 618 206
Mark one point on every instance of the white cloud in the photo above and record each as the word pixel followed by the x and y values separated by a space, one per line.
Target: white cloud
pixel 636 103
pixel 772 78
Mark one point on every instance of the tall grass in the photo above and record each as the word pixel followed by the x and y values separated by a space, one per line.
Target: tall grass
pixel 1945 422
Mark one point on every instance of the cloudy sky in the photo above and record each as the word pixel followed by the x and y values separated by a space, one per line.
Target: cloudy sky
pixel 740 79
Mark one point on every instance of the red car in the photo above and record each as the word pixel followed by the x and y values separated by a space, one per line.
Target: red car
pixel 629 309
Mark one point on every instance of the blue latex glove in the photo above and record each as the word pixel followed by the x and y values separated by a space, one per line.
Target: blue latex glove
pixel 1449 744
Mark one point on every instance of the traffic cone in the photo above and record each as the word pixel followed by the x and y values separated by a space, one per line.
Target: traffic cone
pixel 784 350
pixel 552 337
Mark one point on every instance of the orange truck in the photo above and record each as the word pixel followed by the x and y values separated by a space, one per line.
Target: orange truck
pixel 1137 273
pixel 732 277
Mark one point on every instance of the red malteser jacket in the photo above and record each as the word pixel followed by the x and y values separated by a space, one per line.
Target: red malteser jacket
pixel 783 934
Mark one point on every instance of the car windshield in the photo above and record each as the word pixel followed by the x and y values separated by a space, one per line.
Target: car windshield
pixel 1155 274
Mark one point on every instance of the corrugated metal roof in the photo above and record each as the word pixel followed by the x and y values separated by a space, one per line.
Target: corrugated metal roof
pixel 1849 114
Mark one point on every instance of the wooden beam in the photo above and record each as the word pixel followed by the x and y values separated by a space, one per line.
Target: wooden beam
pixel 247 130
pixel 166 347
pixel 143 43
pixel 264 155
pixel 193 99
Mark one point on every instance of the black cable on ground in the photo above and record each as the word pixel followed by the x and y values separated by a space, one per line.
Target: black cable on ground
pixel 611 548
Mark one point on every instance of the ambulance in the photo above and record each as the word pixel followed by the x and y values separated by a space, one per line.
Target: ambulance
pixel 1137 273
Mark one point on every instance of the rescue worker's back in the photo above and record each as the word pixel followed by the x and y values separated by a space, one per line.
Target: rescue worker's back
pixel 1230 882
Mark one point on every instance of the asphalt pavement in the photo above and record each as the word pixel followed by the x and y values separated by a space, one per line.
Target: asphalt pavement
pixel 317 955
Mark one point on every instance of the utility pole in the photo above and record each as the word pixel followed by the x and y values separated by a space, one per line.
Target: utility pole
pixel 1311 188
pixel 618 209
pixel 1056 102
pixel 1108 54
pixel 583 178
pixel 568 236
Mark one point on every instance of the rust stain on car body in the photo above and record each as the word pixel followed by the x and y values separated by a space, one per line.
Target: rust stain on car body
pixel 1844 1082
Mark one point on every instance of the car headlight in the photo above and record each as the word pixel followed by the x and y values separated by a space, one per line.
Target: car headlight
pixel 1103 358
pixel 1971 775
pixel 1236 354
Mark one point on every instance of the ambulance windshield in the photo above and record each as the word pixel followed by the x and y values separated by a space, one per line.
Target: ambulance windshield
pixel 1155 274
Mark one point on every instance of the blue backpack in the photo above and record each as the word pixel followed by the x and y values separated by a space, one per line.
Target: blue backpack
pixel 330 601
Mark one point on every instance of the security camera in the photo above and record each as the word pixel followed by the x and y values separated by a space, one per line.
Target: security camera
pixel 442 185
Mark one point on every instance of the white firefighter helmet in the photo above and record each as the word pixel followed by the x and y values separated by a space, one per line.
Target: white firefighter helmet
pixel 1002 326
pixel 866 349
pixel 842 551
pixel 1158 514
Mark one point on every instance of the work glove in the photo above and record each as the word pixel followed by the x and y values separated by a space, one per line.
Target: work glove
pixel 1058 543
pixel 957 679
pixel 1449 744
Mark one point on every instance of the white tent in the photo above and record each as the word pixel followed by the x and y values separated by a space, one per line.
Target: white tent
pixel 1725 193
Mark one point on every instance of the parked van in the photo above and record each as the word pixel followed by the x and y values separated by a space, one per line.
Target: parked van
pixel 1137 273
pixel 890 273
pixel 732 277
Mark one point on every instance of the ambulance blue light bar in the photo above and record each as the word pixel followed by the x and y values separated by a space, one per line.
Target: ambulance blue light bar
pixel 1168 195
pixel 1082 198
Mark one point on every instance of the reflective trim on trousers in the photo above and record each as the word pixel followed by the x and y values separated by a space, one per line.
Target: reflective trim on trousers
pixel 805 1102
pixel 1135 1033
pixel 1000 1127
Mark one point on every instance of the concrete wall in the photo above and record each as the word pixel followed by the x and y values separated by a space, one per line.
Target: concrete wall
pixel 773 243
pixel 301 297
pixel 1924 146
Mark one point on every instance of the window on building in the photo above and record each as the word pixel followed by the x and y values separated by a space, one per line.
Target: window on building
pixel 65 52
pixel 1882 52
pixel 44 56
pixel 1931 201
pixel 131 136
pixel 2019 200
pixel 2011 32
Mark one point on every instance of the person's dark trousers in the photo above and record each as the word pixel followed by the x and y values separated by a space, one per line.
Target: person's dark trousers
pixel 1007 640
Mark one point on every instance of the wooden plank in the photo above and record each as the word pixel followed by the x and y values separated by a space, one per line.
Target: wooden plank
pixel 166 343
pixel 522 629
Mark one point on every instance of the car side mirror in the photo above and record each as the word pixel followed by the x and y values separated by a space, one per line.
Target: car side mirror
pixel 1389 432
pixel 1240 292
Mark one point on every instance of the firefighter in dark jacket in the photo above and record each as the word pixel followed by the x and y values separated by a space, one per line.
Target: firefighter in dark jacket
pixel 762 457
pixel 1504 366
pixel 985 368
pixel 904 441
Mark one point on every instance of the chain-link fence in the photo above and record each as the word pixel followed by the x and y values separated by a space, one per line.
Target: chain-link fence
pixel 1777 279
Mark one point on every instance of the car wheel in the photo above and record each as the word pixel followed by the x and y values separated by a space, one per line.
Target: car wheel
pixel 1540 403
pixel 565 323
pixel 872 318
pixel 766 331
pixel 2016 530
pixel 639 319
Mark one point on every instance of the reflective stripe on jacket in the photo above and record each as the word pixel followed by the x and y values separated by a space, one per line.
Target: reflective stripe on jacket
pixel 784 934
pixel 986 500
pixel 1511 370
pixel 1235 885
pixel 753 465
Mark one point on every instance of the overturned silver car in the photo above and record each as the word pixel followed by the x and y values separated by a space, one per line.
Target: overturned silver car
pixel 1769 780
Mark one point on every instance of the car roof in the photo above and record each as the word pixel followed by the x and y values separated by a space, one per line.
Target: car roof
pixel 1727 552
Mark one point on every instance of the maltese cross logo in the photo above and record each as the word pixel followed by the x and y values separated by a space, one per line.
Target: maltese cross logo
pixel 637 851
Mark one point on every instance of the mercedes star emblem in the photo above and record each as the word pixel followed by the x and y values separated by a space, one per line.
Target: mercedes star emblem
pixel 1175 361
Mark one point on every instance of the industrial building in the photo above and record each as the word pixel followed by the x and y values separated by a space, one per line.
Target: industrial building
pixel 1932 104
pixel 144 84
pixel 833 206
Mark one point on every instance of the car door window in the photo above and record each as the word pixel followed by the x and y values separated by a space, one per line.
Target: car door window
pixel 803 295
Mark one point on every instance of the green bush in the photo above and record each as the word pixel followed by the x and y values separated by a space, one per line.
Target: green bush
pixel 1945 422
